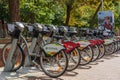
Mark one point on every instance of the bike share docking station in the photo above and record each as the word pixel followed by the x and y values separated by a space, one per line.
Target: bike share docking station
pixel 11 59
pixel 9 62
pixel 15 29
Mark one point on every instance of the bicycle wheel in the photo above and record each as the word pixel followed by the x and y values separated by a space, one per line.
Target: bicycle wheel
pixel 74 58
pixel 102 50
pixel 86 55
pixel 54 66
pixel 96 52
pixel 116 46
pixel 18 57
pixel 109 48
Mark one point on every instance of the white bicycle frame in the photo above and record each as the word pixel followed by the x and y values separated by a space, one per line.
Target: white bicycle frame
pixel 30 49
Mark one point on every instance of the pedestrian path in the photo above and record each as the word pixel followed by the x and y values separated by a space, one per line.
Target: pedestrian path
pixel 107 68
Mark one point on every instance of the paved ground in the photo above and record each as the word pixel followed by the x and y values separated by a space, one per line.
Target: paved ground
pixel 107 68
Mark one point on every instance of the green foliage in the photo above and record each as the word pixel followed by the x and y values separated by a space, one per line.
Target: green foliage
pixel 45 11
pixel 4 10
pixel 54 11
pixel 82 13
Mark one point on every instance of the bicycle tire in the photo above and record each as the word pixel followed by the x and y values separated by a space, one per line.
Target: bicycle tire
pixel 110 48
pixel 75 59
pixel 96 56
pixel 116 46
pixel 21 53
pixel 54 75
pixel 102 52
pixel 86 60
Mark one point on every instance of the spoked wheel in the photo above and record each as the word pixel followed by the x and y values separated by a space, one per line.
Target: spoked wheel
pixel 96 52
pixel 86 55
pixel 17 58
pixel 74 58
pixel 116 46
pixel 54 66
pixel 102 50
pixel 110 48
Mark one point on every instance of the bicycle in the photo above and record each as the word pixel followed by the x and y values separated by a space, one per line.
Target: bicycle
pixel 85 48
pixel 72 51
pixel 45 58
pixel 16 54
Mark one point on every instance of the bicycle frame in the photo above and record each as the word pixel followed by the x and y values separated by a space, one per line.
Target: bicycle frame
pixel 47 49
pixel 30 50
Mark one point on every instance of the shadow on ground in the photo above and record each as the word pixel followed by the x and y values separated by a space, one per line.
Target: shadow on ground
pixel 25 74
pixel 84 67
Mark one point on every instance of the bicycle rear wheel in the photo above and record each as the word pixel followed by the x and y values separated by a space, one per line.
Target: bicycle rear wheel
pixel 18 57
pixel 54 66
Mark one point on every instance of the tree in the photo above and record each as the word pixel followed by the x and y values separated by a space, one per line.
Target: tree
pixel 14 10
pixel 69 6
pixel 3 17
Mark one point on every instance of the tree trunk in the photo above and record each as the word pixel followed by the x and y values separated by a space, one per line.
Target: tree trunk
pixel 69 8
pixel 14 10
pixel 32 17
pixel 93 21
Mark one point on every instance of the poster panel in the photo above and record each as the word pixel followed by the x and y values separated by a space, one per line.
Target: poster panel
pixel 106 22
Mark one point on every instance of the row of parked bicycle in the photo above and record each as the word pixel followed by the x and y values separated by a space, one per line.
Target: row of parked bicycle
pixel 54 49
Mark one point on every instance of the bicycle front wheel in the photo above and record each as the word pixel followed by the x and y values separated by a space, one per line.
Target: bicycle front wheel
pixel 86 55
pixel 96 52
pixel 109 48
pixel 18 56
pixel 102 50
pixel 74 58
pixel 54 66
